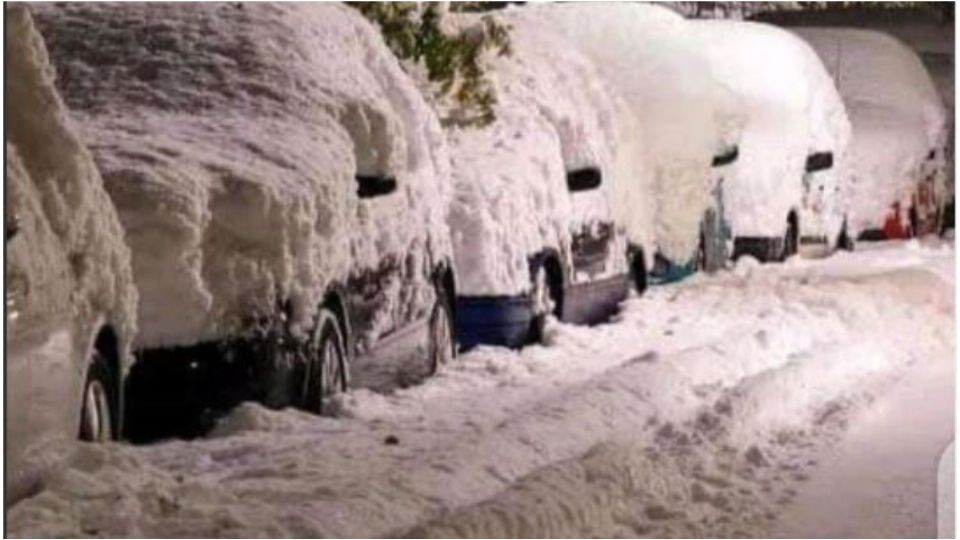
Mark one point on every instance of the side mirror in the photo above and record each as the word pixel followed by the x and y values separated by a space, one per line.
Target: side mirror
pixel 583 179
pixel 727 157
pixel 819 161
pixel 375 186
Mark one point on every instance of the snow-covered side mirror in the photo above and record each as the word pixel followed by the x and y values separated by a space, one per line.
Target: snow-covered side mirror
pixel 583 179
pixel 727 157
pixel 819 161
pixel 375 186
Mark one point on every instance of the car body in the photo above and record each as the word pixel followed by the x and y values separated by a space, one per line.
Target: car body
pixel 681 120
pixel 532 221
pixel 70 300
pixel 793 141
pixel 899 144
pixel 283 187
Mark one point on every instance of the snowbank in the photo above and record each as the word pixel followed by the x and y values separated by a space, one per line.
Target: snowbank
pixel 897 114
pixel 229 136
pixel 682 118
pixel 553 115
pixel 792 110
pixel 52 174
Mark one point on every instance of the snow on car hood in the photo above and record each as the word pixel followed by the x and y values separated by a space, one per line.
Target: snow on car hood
pixel 51 172
pixel 511 202
pixel 650 56
pixel 897 114
pixel 792 110
pixel 229 136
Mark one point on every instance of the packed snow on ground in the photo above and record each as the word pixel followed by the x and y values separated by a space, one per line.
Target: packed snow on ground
pixel 553 116
pixel 229 136
pixel 67 267
pixel 793 110
pixel 705 409
pixel 651 57
pixel 897 114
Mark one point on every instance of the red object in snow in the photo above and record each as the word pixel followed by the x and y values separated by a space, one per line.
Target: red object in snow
pixel 893 227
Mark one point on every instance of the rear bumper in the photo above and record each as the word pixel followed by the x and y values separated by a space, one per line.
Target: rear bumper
pixel 493 320
pixel 665 271
pixel 507 320
pixel 762 248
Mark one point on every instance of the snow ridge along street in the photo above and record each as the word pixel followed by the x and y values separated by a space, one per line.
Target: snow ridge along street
pixel 713 407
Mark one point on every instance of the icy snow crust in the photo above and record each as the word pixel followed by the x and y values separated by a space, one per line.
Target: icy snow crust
pixel 511 201
pixel 229 136
pixel 79 252
pixel 681 117
pixel 792 109
pixel 897 115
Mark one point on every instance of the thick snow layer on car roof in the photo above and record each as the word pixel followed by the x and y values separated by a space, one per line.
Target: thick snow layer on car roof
pixel 58 194
pixel 229 136
pixel 651 57
pixel 897 114
pixel 792 110
pixel 552 116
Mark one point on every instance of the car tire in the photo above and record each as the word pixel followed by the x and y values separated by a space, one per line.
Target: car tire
pixel 545 300
pixel 791 240
pixel 442 345
pixel 327 370
pixel 98 413
pixel 638 271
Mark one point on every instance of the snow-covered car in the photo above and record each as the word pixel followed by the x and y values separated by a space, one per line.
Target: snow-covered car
pixel 682 119
pixel 532 216
pixel 283 187
pixel 70 299
pixel 792 144
pixel 898 148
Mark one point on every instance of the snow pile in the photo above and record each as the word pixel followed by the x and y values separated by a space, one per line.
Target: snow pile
pixel 897 114
pixel 511 201
pixel 76 258
pixel 699 412
pixel 229 137
pixel 792 110
pixel 651 57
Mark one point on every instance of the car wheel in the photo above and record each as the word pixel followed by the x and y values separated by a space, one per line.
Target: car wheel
pixel 441 344
pixel 638 271
pixel 327 371
pixel 97 414
pixel 544 301
pixel 791 241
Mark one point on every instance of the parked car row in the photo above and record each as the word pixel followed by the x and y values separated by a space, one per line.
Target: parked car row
pixel 255 201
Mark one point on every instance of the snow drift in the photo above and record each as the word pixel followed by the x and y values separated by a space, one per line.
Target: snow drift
pixel 553 115
pixel 650 56
pixel 898 118
pixel 67 269
pixel 792 110
pixel 229 136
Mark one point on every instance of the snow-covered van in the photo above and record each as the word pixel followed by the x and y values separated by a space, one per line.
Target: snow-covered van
pixel 899 130
pixel 70 299
pixel 793 139
pixel 683 123
pixel 283 187
pixel 532 213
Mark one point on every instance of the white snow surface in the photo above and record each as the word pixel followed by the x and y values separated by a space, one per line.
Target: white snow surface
pixel 77 250
pixel 897 114
pixel 702 410
pixel 792 110
pixel 553 115
pixel 681 116
pixel 229 136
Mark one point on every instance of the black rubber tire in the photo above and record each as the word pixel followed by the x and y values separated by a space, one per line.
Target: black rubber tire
pixel 638 271
pixel 791 240
pixel 442 311
pixel 325 380
pixel 105 401
pixel 539 321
